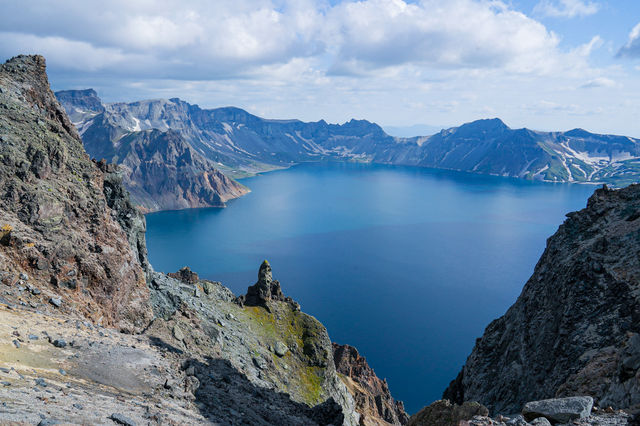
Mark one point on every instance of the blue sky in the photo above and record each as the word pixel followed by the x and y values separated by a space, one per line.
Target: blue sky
pixel 542 64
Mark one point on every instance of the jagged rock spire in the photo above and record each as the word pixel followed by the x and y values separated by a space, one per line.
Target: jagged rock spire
pixel 265 290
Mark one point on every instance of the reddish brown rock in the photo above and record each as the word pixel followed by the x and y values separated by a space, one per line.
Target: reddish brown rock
pixel 186 275
pixel 373 400
pixel 67 223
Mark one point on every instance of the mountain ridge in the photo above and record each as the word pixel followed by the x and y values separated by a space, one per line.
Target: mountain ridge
pixel 241 143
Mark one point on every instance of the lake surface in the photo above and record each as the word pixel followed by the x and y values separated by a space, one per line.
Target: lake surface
pixel 409 265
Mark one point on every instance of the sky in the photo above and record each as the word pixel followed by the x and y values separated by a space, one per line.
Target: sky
pixel 541 64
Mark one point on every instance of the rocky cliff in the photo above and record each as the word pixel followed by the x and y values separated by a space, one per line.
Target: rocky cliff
pixel 373 400
pixel 70 241
pixel 574 329
pixel 160 169
pixel 162 172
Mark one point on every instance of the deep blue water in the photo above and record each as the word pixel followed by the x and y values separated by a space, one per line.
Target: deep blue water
pixel 408 265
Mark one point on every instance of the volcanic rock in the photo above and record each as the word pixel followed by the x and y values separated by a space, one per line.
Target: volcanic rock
pixel 57 205
pixel 373 399
pixel 575 328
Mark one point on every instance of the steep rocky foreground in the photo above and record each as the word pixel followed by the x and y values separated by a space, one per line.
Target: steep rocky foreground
pixel 65 222
pixel 160 169
pixel 204 359
pixel 574 329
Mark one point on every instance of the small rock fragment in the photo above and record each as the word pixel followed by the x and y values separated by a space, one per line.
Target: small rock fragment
pixel 56 301
pixel 122 419
pixel 60 343
pixel 280 349
pixel 540 421
pixel 177 333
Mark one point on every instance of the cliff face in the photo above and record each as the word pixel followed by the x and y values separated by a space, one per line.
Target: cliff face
pixel 68 230
pixel 159 168
pixel 162 172
pixel 373 400
pixel 574 329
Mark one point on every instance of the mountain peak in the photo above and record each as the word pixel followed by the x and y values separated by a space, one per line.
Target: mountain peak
pixel 22 66
pixel 480 127
pixel 488 123
pixel 85 99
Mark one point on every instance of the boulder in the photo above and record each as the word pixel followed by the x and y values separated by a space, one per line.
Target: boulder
pixel 559 410
pixel 445 413
pixel 281 349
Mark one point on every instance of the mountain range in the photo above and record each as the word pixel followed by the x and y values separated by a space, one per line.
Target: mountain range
pixel 240 143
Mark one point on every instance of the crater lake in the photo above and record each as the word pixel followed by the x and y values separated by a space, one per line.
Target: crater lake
pixel 408 265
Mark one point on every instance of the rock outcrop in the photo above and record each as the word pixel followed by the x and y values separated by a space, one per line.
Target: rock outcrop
pixel 265 290
pixel 373 399
pixel 276 361
pixel 186 275
pixel 69 233
pixel 574 329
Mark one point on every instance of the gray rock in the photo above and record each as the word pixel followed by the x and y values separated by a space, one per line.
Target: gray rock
pixel 40 382
pixel 24 276
pixel 517 421
pixel 208 287
pixel 121 419
pixel 281 349
pixel 444 413
pixel 191 384
pixel 56 301
pixel 259 363
pixel 541 421
pixel 59 343
pixel 559 410
pixel 177 333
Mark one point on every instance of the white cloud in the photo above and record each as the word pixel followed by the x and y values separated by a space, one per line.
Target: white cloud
pixel 632 47
pixel 599 82
pixel 227 38
pixel 392 61
pixel 453 34
pixel 200 39
pixel 566 8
